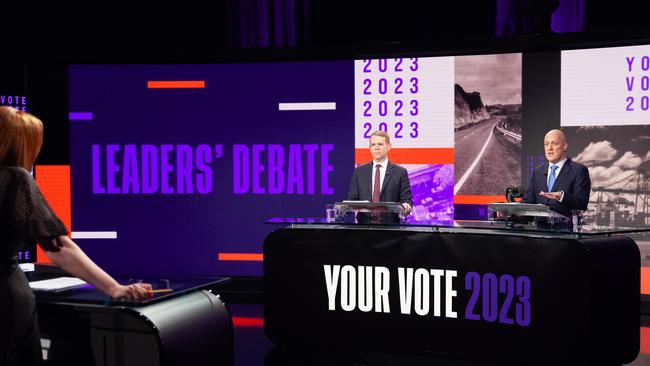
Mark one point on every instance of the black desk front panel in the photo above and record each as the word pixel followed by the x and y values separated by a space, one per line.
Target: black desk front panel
pixel 502 298
pixel 190 325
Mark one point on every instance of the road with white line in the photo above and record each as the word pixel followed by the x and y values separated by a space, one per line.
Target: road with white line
pixel 485 161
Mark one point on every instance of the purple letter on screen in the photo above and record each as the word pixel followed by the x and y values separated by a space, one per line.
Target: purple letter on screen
pixel 165 168
pixel 276 169
pixel 311 171
pixel 294 170
pixel 184 169
pixel 149 169
pixel 630 60
pixel 325 169
pixel 240 169
pixel 204 179
pixel 630 82
pixel 257 168
pixel 112 167
pixel 97 184
pixel 130 181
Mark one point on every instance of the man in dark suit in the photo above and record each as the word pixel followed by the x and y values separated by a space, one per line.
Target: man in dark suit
pixel 562 184
pixel 380 180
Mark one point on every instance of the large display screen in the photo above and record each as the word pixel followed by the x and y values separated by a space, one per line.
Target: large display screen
pixel 605 100
pixel 180 168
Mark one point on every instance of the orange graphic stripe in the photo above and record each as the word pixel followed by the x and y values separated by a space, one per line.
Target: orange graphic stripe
pixel 54 182
pixel 645 280
pixel 176 84
pixel 474 199
pixel 407 155
pixel 250 257
pixel 239 321
pixel 645 341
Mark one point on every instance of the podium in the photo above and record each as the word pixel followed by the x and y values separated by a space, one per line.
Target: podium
pixel 527 213
pixel 564 297
pixel 84 326
pixel 391 212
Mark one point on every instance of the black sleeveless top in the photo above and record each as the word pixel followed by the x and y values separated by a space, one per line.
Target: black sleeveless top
pixel 25 216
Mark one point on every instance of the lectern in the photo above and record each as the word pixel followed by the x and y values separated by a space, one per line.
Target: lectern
pixel 347 211
pixel 528 213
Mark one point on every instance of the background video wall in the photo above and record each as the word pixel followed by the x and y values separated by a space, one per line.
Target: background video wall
pixel 186 163
pixel 605 96
pixel 184 166
pixel 189 163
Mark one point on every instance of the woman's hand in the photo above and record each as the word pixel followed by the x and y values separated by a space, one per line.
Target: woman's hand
pixel 136 291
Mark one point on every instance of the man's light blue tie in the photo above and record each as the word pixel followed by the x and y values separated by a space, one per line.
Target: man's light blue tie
pixel 551 178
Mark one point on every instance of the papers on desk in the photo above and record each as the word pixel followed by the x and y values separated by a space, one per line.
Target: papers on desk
pixel 57 284
pixel 26 267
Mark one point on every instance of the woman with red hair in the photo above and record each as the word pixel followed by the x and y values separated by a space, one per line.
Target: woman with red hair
pixel 25 219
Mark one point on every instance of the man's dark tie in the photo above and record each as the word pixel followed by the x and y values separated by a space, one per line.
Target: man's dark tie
pixel 376 193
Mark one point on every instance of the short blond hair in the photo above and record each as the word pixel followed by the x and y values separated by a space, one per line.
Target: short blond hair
pixel 21 138
pixel 381 133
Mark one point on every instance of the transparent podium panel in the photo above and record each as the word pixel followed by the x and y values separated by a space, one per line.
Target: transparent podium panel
pixel 368 212
pixel 527 214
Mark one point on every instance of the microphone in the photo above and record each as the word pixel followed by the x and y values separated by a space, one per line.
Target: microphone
pixel 512 193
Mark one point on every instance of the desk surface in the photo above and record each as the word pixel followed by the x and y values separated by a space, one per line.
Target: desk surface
pixel 89 295
pixel 478 226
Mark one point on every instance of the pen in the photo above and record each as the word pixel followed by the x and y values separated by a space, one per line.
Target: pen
pixel 160 290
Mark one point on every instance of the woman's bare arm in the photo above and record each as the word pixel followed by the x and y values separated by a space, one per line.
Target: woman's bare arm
pixel 75 262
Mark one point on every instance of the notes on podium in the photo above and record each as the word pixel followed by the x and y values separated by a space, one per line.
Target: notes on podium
pixel 57 284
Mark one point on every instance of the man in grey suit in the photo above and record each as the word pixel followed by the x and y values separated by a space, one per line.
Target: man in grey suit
pixel 381 180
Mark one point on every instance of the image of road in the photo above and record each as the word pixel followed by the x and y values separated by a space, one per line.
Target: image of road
pixel 618 159
pixel 487 124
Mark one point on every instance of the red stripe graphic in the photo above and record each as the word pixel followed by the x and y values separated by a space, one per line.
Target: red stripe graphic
pixel 251 257
pixel 176 84
pixel 645 340
pixel 410 155
pixel 54 182
pixel 645 280
pixel 238 321
pixel 475 199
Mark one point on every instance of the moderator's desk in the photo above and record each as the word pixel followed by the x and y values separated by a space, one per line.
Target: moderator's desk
pixel 479 292
pixel 190 325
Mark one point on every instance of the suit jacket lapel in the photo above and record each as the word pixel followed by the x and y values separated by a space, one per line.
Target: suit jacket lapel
pixel 389 174
pixel 544 178
pixel 368 180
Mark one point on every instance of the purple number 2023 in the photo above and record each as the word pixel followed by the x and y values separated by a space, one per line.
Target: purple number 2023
pixel 487 289
pixel 383 65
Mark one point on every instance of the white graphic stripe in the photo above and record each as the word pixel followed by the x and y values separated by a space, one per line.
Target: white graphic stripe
pixel 94 235
pixel 325 106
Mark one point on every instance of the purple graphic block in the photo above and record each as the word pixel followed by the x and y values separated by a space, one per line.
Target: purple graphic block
pixel 80 116
pixel 187 174
pixel 433 194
